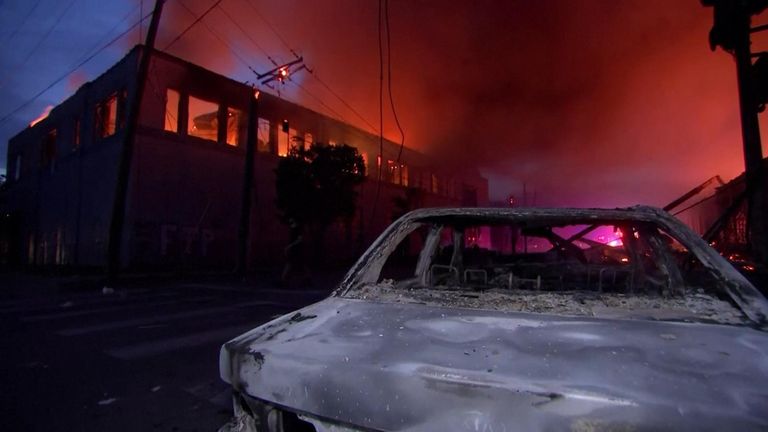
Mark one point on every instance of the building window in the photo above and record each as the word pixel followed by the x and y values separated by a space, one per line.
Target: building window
pixel 308 140
pixel 234 131
pixel 48 150
pixel 263 144
pixel 203 121
pixel 365 162
pixel 296 140
pixel 282 143
pixel 435 184
pixel 76 135
pixel 393 172
pixel 172 99
pixel 106 117
pixel 404 174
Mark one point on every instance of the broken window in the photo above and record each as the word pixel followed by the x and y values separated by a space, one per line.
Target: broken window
pixel 587 267
pixel 296 140
pixel 392 172
pixel 106 117
pixel 172 99
pixel 263 143
pixel 203 120
pixel 282 142
pixel 364 155
pixel 235 131
pixel 435 185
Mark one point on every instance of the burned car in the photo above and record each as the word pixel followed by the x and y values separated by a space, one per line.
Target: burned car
pixel 516 320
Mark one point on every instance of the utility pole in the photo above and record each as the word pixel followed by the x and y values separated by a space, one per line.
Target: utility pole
pixel 124 165
pixel 245 208
pixel 731 31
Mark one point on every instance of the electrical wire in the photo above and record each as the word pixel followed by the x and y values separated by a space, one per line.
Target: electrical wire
pixel 23 21
pixel 194 23
pixel 30 53
pixel 237 55
pixel 319 100
pixel 389 82
pixel 334 113
pixel 274 30
pixel 346 104
pixel 109 32
pixel 247 35
pixel 69 72
pixel 218 36
pixel 311 71
pixel 380 158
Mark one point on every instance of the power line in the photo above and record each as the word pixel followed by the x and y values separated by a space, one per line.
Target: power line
pixel 311 72
pixel 389 82
pixel 380 159
pixel 274 30
pixel 319 100
pixel 336 95
pixel 247 35
pixel 215 34
pixel 23 21
pixel 106 35
pixel 37 46
pixel 200 18
pixel 69 72
pixel 332 111
pixel 242 60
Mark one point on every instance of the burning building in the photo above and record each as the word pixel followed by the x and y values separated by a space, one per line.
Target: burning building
pixel 186 176
pixel 721 216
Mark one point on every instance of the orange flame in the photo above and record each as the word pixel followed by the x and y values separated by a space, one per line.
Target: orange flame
pixel 42 116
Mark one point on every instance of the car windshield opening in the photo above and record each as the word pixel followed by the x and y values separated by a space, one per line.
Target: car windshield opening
pixel 619 269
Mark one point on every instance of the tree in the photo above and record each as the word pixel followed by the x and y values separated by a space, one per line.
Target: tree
pixel 317 187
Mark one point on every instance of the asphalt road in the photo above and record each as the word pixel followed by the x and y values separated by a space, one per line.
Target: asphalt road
pixel 137 359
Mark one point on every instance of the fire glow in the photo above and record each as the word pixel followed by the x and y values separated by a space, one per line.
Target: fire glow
pixel 42 116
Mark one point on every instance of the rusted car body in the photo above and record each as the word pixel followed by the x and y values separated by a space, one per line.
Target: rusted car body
pixel 481 334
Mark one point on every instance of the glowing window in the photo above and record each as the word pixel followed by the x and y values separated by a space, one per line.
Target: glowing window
pixel 263 144
pixel 106 117
pixel 435 184
pixel 365 162
pixel 296 140
pixel 203 119
pixel 172 110
pixel 234 131
pixel 308 140
pixel 393 172
pixel 404 174
pixel 282 143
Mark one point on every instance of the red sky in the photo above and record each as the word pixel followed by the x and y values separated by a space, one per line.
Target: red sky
pixel 589 103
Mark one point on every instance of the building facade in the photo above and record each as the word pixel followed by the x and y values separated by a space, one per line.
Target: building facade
pixel 184 193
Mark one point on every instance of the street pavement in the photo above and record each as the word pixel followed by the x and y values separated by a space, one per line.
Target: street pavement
pixel 141 357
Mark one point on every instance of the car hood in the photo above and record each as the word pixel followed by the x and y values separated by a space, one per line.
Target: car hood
pixel 412 367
